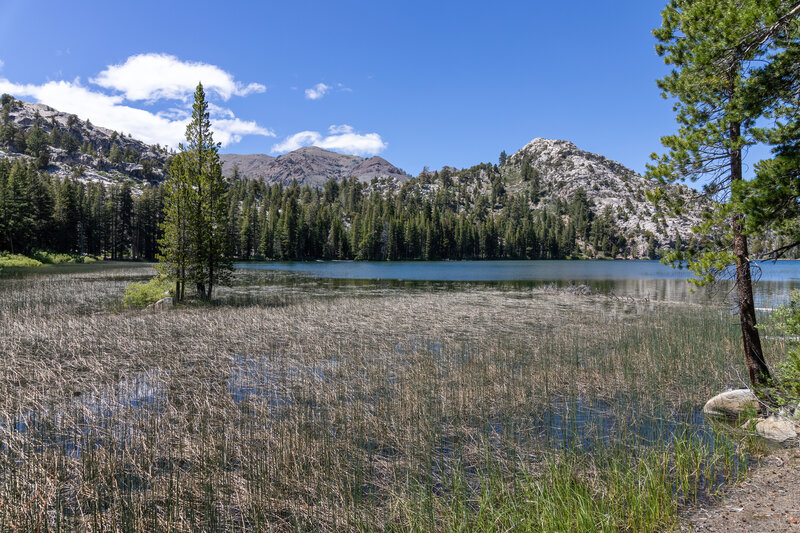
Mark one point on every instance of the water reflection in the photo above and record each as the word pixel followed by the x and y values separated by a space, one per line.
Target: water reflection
pixel 641 280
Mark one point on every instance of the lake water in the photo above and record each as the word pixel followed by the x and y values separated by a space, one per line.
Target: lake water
pixel 636 279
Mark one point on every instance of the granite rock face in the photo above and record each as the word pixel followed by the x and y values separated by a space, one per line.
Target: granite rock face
pixel 562 169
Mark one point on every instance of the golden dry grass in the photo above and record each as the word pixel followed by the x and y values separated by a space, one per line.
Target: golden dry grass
pixel 314 408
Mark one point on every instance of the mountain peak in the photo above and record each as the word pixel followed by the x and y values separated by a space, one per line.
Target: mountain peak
pixel 311 165
pixel 308 150
pixel 542 145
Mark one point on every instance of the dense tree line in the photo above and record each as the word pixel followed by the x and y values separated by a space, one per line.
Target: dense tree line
pixel 39 211
pixel 352 220
pixel 342 220
pixel 442 215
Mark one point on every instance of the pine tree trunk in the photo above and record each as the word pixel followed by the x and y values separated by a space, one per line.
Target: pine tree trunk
pixel 751 342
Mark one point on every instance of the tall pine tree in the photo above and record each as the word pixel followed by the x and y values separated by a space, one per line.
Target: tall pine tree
pixel 710 47
pixel 195 245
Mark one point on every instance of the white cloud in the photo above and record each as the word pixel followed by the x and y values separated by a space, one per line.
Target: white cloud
pixel 151 77
pixel 165 127
pixel 228 131
pixel 1 64
pixel 317 91
pixel 342 128
pixel 298 140
pixel 218 111
pixel 342 138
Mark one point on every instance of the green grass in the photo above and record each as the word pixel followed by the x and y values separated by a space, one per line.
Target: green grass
pixel 17 261
pixel 610 490
pixel 38 258
pixel 144 293
pixel 52 258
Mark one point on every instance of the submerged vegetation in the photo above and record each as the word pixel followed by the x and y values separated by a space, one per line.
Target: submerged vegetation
pixel 295 405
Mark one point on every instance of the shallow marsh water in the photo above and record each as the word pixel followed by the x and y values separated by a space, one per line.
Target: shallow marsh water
pixel 300 402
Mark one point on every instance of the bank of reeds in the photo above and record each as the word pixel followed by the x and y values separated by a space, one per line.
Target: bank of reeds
pixel 304 408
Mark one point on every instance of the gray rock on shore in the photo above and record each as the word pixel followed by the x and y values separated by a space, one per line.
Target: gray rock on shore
pixel 162 305
pixel 776 428
pixel 731 403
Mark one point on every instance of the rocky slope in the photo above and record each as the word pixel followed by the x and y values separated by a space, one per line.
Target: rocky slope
pixel 310 166
pixel 248 165
pixel 79 148
pixel 94 153
pixel 562 168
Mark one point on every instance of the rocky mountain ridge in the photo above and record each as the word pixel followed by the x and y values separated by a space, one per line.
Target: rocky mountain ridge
pixel 80 149
pixel 77 148
pixel 310 166
pixel 562 168
pixel 544 172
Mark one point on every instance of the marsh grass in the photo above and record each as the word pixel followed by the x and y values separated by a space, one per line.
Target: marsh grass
pixel 292 405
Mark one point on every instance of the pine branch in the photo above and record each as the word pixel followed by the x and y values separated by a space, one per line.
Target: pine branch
pixel 777 253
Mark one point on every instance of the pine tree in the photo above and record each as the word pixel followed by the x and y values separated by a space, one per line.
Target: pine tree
pixel 709 44
pixel 36 142
pixel 195 246
pixel 175 244
pixel 16 199
pixel 66 216
pixel 124 225
pixel 772 200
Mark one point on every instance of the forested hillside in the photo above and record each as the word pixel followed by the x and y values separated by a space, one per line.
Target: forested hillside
pixel 71 187
pixel 436 216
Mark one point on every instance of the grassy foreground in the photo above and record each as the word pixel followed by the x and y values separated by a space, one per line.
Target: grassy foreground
pixel 298 407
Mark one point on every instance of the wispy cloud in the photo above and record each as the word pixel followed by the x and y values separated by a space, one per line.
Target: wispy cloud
pixel 1 64
pixel 167 126
pixel 152 77
pixel 341 138
pixel 317 91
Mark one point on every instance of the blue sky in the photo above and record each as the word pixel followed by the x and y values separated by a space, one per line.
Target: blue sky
pixel 419 83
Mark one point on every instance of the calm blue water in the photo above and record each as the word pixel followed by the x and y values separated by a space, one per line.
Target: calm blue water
pixel 640 279
pixel 506 270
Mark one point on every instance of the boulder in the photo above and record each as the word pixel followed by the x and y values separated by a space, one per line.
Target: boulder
pixel 163 303
pixel 731 403
pixel 776 428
